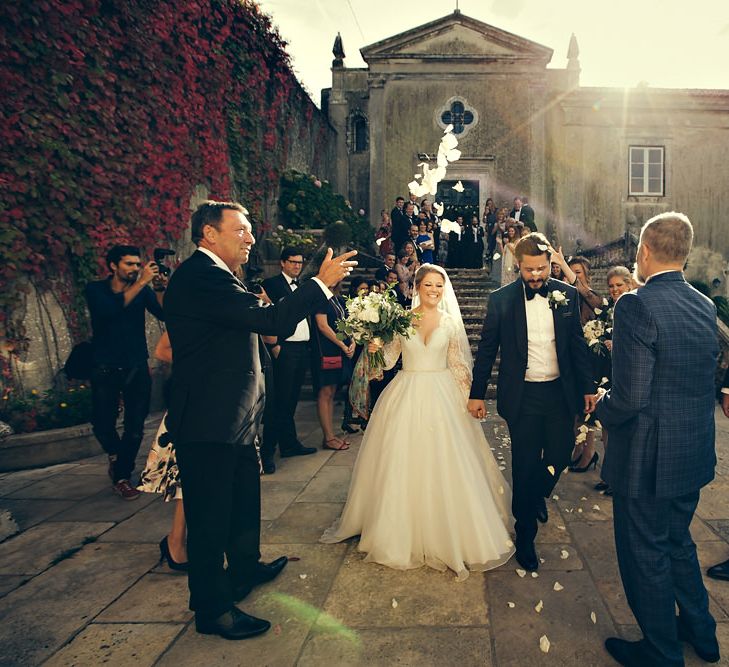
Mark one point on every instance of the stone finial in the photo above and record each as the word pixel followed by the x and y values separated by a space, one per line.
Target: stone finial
pixel 338 52
pixel 573 54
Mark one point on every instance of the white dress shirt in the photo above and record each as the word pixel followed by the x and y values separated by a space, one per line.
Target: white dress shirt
pixel 301 334
pixel 542 363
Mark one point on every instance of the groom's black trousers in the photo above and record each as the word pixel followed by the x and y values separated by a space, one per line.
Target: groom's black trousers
pixel 543 436
pixel 221 492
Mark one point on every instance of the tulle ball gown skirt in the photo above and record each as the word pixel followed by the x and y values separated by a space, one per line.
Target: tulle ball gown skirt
pixel 426 489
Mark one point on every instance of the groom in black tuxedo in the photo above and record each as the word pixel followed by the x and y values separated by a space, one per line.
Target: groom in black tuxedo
pixel 216 403
pixel 544 381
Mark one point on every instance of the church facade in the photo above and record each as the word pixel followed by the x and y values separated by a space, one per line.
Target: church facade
pixel 593 162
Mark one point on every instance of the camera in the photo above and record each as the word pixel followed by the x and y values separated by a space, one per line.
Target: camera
pixel 159 256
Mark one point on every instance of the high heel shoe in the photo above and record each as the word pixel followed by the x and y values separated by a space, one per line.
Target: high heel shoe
pixel 591 464
pixel 164 554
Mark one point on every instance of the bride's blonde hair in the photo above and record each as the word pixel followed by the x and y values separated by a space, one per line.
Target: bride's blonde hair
pixel 425 269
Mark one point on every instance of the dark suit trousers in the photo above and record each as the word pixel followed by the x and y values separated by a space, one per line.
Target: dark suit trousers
pixel 543 436
pixel 289 370
pixel 659 568
pixel 222 498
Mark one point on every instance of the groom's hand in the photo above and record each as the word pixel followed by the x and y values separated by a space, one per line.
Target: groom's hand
pixel 477 408
pixel 334 270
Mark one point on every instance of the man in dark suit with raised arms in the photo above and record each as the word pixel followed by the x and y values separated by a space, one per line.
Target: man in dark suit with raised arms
pixel 216 402
pixel 544 381
pixel 660 417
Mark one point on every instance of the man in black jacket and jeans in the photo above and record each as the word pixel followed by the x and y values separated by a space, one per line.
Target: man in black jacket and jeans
pixel 117 305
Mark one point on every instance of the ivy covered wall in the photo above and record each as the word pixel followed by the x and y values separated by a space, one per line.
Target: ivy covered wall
pixel 113 112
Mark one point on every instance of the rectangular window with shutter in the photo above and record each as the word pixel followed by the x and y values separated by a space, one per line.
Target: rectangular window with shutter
pixel 646 171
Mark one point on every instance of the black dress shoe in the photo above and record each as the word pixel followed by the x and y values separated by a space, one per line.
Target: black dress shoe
pixel 542 514
pixel 685 635
pixel 269 467
pixel 630 654
pixel 299 450
pixel 526 556
pixel 720 571
pixel 233 624
pixel 263 573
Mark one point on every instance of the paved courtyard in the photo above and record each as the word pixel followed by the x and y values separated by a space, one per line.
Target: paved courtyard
pixel 81 584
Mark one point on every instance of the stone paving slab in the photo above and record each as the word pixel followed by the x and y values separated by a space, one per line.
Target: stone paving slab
pixel 41 616
pixel 110 602
pixel 117 644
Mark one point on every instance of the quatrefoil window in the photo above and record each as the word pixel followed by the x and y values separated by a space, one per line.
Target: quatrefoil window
pixel 457 112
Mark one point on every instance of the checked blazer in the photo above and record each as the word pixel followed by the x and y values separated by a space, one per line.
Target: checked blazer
pixel 660 411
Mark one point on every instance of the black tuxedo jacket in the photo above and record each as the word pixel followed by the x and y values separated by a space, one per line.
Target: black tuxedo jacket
pixel 526 216
pixel 505 327
pixel 217 385
pixel 400 228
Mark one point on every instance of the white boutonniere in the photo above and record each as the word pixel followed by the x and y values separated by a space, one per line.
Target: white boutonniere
pixel 557 299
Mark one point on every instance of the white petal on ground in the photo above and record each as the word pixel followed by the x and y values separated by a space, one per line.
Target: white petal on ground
pixel 579 509
pixel 541 560
pixel 539 606
pixel 544 644
pixel 561 528
pixel 558 586
pixel 394 603
pixel 593 617
pixel 596 508
pixel 555 497
pixel 521 573
pixel 535 575
pixel 511 605
pixel 564 554
pixel 583 498
pixel 302 576
pixel 496 256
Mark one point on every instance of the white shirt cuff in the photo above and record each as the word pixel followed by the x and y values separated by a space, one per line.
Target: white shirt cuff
pixel 327 292
pixel 725 390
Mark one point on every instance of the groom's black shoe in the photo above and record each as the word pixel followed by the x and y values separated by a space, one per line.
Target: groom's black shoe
pixel 720 571
pixel 526 556
pixel 297 450
pixel 233 624
pixel 630 654
pixel 263 573
pixel 707 655
pixel 268 466
pixel 542 514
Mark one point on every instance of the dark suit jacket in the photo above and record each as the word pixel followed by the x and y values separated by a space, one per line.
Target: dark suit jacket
pixel 505 327
pixel 660 410
pixel 400 228
pixel 217 386
pixel 526 216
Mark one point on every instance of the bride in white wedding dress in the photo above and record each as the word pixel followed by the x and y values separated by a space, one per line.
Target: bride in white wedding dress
pixel 426 489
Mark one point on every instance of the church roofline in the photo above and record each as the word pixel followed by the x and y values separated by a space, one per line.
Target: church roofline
pixel 688 98
pixel 383 49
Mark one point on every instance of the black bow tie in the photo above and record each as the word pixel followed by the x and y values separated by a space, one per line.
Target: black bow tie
pixel 295 282
pixel 531 293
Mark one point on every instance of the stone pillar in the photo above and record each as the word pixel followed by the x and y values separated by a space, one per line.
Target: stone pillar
pixel 537 194
pixel 377 146
pixel 338 113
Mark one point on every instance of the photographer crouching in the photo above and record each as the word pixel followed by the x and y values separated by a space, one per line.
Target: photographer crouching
pixel 117 305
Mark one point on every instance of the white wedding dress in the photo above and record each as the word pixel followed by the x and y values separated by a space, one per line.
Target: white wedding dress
pixel 426 489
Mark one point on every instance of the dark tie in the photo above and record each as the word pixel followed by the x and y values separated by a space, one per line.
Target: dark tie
pixel 295 282
pixel 531 293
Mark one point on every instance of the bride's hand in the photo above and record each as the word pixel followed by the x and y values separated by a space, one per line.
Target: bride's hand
pixel 375 345
pixel 477 408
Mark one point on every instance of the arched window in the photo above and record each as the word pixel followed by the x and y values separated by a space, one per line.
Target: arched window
pixel 358 133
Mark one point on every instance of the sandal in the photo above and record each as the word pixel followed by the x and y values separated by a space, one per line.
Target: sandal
pixel 342 444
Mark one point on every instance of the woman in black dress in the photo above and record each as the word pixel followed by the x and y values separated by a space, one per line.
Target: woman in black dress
pixel 328 367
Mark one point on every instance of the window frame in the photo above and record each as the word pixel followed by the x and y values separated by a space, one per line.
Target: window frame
pixel 645 192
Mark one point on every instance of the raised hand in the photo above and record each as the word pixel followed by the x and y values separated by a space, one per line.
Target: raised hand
pixel 333 270
pixel 148 273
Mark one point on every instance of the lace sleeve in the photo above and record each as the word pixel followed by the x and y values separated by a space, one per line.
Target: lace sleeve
pixel 392 352
pixel 458 365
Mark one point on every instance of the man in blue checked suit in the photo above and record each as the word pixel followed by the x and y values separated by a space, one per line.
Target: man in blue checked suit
pixel 660 417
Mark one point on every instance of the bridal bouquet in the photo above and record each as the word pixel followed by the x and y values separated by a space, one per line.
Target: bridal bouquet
pixel 599 330
pixel 375 317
